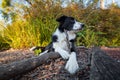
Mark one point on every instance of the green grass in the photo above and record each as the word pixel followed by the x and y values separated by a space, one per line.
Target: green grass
pixel 3 45
pixel 89 38
pixel 27 34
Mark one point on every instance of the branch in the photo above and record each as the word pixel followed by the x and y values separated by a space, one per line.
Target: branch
pixel 14 69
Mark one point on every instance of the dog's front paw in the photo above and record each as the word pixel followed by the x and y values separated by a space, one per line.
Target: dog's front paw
pixel 64 54
pixel 72 65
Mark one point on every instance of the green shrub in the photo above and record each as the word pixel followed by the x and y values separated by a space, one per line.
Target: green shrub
pixel 27 34
pixel 107 22
pixel 3 45
pixel 88 37
pixel 39 23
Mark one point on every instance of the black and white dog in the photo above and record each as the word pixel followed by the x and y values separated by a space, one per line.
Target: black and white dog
pixel 63 41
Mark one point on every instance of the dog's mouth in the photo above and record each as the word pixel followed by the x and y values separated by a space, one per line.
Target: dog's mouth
pixel 77 30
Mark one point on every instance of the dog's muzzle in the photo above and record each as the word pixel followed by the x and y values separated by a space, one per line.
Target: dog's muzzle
pixel 81 28
pixel 82 25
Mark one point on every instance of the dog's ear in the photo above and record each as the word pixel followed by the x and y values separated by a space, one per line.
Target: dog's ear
pixel 61 19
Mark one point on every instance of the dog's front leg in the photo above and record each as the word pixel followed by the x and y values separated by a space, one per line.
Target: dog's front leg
pixel 72 64
pixel 59 47
pixel 64 54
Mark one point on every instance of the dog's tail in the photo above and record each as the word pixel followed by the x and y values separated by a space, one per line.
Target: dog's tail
pixel 36 48
pixel 48 47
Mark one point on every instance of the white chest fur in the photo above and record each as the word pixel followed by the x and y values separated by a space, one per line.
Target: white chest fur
pixel 71 35
pixel 61 41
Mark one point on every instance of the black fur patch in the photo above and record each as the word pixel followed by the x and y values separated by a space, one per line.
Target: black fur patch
pixel 72 40
pixel 65 22
pixel 68 24
pixel 72 44
pixel 61 19
pixel 54 38
pixel 61 29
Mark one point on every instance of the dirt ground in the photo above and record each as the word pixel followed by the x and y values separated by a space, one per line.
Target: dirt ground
pixel 54 69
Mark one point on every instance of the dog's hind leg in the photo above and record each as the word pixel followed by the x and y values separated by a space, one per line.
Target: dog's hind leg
pixel 48 48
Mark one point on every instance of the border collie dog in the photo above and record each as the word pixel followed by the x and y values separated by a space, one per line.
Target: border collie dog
pixel 63 41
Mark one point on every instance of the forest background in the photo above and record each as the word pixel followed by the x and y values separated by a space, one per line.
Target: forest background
pixel 32 23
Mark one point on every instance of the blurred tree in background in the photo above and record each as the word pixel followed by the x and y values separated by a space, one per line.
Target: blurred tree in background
pixel 32 22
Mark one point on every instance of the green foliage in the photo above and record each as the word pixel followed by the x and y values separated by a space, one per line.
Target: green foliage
pixel 25 34
pixel 18 36
pixel 3 45
pixel 38 23
pixel 5 3
pixel 88 37
pixel 36 31
pixel 115 40
pixel 44 28
pixel 37 52
pixel 106 21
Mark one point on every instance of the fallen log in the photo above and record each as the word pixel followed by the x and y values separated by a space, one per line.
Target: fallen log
pixel 14 69
pixel 103 67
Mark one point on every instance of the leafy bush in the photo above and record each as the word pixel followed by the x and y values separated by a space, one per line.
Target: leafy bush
pixel 88 37
pixel 106 21
pixel 3 45
pixel 39 23
pixel 24 34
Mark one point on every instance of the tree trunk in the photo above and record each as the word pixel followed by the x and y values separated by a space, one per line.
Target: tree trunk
pixel 102 6
pixel 14 69
pixel 113 1
pixel 103 67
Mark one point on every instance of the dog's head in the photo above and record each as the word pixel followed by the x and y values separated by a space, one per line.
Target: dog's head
pixel 69 23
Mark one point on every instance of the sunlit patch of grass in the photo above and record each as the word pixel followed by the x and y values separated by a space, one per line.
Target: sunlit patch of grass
pixel 27 34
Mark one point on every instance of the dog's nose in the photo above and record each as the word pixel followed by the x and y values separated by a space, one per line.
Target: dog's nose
pixel 82 25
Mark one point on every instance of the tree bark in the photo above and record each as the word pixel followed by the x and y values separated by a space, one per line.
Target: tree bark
pixel 102 5
pixel 14 69
pixel 103 67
